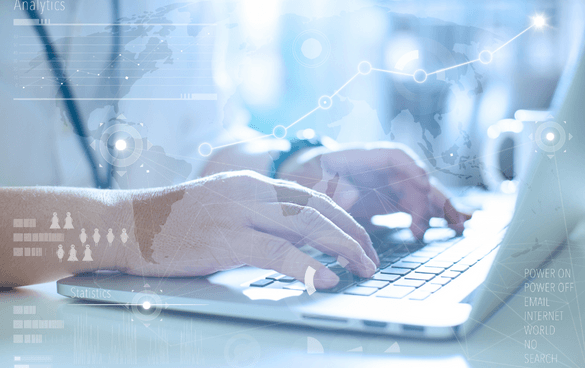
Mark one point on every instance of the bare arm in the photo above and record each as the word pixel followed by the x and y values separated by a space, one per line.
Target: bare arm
pixel 197 228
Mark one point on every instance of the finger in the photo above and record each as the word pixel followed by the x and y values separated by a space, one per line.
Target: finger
pixel 415 201
pixel 296 194
pixel 442 207
pixel 272 252
pixel 297 223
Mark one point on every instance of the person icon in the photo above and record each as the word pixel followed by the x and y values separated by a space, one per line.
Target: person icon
pixel 72 254
pixel 68 222
pixel 124 236
pixel 87 254
pixel 60 253
pixel 55 221
pixel 96 236
pixel 83 236
pixel 110 237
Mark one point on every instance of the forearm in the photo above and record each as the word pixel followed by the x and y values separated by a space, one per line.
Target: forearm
pixel 30 255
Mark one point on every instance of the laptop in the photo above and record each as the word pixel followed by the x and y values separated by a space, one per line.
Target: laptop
pixel 439 288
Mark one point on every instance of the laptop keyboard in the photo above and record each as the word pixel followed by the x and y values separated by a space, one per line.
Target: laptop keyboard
pixel 413 275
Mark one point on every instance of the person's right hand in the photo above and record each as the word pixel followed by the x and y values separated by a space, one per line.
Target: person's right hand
pixel 243 218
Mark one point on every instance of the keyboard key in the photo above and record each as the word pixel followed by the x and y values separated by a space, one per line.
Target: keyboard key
pixel 418 295
pixel 450 274
pixel 440 280
pixel 419 276
pixel 295 286
pixel 468 261
pixel 430 270
pixel 363 291
pixel 439 264
pixel 416 259
pixel 459 267
pixel 287 279
pixel 395 292
pixel 410 283
pixel 378 284
pixel 385 277
pixel 391 258
pixel 426 253
pixel 430 288
pixel 275 276
pixel 261 283
pixel 411 265
pixel 397 271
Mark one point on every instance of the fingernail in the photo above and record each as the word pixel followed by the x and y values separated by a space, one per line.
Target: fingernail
pixel 325 278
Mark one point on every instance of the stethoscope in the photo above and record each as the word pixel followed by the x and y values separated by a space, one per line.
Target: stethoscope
pixel 67 92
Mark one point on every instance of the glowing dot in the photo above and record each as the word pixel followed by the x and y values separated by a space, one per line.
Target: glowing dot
pixel 420 76
pixel 539 21
pixel 146 305
pixel 550 136
pixel 126 77
pixel 120 145
pixel 147 171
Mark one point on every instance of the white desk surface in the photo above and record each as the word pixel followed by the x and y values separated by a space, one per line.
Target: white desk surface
pixel 97 336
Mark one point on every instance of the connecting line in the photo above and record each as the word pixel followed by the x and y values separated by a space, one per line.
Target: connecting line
pixel 518 35
pixel 378 70
pixel 392 72
pixel 454 66
pixel 342 87
pixel 304 116
pixel 244 141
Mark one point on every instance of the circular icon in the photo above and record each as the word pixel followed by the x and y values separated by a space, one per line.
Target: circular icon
pixel 485 57
pixel 121 145
pixel 311 48
pixel 146 305
pixel 420 76
pixel 550 136
pixel 242 351
pixel 205 149
pixel 364 68
pixel 325 102
pixel 279 132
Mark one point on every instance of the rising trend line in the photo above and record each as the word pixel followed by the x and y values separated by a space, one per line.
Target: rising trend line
pixel 365 68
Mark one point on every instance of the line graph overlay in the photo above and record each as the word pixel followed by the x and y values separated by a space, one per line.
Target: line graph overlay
pixel 364 68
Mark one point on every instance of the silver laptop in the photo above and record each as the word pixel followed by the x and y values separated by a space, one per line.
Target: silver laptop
pixel 440 288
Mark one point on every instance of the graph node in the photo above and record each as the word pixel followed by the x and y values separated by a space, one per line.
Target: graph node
pixel 279 132
pixel 485 57
pixel 205 149
pixel 325 102
pixel 420 76
pixel 364 68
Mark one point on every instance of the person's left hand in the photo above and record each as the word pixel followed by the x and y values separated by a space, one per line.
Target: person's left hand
pixel 378 178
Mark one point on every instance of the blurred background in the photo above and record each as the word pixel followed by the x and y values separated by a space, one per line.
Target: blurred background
pixel 281 57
